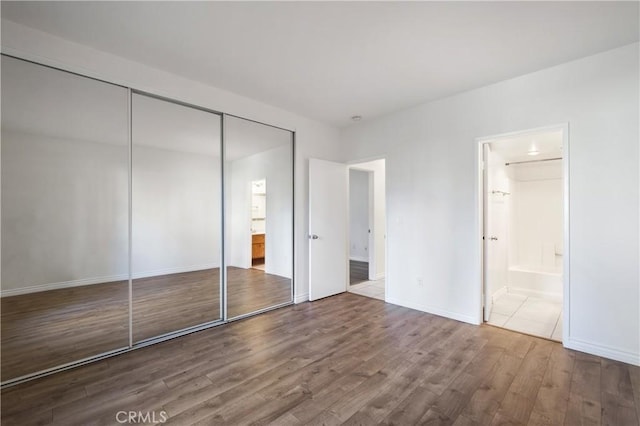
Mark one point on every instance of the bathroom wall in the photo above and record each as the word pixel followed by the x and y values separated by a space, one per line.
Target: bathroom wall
pixel 537 216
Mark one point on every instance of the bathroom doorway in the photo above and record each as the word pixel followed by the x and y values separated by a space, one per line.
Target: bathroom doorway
pixel 367 229
pixel 524 236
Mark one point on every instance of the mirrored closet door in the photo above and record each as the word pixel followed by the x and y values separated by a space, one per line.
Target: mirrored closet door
pixel 112 219
pixel 259 216
pixel 65 232
pixel 176 217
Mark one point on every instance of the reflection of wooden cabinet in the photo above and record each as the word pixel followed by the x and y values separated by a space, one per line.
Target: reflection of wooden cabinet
pixel 257 246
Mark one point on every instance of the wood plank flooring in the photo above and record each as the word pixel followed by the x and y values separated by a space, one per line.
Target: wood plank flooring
pixel 358 271
pixel 346 360
pixel 47 329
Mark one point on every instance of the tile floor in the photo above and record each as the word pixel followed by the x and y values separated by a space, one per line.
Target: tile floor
pixel 373 289
pixel 531 315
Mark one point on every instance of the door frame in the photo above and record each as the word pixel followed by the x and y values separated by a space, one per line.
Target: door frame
pixel 353 164
pixel 480 184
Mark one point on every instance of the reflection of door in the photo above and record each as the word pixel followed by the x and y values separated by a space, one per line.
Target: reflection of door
pixel 328 254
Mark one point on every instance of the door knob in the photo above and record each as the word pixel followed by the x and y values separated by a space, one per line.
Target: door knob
pixel 494 238
pixel 313 237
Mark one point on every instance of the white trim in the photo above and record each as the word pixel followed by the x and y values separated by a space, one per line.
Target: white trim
pixel 101 280
pixel 602 350
pixel 63 284
pixel 300 298
pixel 359 258
pixel 557 297
pixel 566 250
pixel 433 310
pixel 176 270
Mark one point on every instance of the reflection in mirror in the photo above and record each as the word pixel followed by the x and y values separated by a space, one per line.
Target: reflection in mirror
pixel 65 267
pixel 258 222
pixel 176 217
pixel 259 212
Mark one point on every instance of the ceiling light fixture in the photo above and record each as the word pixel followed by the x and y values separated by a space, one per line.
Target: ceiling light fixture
pixel 356 117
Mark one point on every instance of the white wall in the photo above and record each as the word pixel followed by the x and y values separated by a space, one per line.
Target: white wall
pixel 313 139
pixel 175 211
pixel 432 167
pixel 359 215
pixel 64 204
pixel 275 167
pixel 63 199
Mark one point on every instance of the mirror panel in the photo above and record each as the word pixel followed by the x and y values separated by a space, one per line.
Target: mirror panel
pixel 65 261
pixel 259 216
pixel 176 217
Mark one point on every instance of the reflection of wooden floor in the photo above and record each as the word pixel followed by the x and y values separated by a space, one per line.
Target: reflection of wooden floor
pixel 252 289
pixel 172 302
pixel 47 329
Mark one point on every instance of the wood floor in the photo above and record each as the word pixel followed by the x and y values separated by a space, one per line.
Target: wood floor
pixel 341 360
pixel 358 271
pixel 47 329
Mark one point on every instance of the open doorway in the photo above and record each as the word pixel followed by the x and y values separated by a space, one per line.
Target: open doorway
pixel 524 218
pixel 258 223
pixel 367 229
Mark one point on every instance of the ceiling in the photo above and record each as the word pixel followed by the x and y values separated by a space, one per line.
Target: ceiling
pixel 332 60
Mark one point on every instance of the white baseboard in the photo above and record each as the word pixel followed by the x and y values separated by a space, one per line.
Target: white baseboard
pixel 379 276
pixel 300 298
pixel 534 293
pixel 359 258
pixel 433 310
pixel 63 284
pixel 101 280
pixel 603 351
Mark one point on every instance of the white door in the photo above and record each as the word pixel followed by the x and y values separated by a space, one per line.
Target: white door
pixel 328 227
pixel 486 266
pixel 495 227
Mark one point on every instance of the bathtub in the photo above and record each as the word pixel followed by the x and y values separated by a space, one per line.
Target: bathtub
pixel 535 282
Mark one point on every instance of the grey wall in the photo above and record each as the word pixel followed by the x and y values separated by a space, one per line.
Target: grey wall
pixel 359 215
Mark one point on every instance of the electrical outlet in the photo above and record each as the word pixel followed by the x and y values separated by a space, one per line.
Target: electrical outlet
pixel 419 280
